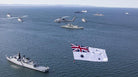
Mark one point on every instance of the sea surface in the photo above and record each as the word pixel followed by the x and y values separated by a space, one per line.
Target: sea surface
pixel 45 42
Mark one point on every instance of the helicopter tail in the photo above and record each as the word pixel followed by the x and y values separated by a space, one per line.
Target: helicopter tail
pixel 73 19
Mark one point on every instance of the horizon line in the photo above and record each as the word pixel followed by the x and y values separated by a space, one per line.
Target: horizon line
pixel 65 5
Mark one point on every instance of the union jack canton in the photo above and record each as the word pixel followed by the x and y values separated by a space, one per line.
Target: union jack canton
pixel 79 48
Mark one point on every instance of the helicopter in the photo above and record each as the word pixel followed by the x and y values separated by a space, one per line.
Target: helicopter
pixel 20 19
pixel 64 20
pixel 8 15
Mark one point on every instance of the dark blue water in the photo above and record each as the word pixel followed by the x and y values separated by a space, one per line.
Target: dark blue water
pixel 48 44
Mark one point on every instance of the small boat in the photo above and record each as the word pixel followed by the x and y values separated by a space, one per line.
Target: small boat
pixel 126 13
pixel 77 12
pixel 98 14
pixel 26 62
pixel 8 15
pixel 83 20
pixel 84 11
pixel 20 20
pixel 71 26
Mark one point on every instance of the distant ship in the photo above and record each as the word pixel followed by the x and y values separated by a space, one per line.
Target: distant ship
pixel 83 20
pixel 98 14
pixel 71 26
pixel 84 11
pixel 77 12
pixel 8 15
pixel 126 13
pixel 26 62
pixel 20 20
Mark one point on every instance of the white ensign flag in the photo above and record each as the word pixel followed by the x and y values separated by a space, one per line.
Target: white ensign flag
pixel 89 54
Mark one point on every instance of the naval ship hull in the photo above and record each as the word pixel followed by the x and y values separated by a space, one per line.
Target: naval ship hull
pixel 70 26
pixel 20 63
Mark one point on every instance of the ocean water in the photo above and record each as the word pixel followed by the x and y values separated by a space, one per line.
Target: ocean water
pixel 45 42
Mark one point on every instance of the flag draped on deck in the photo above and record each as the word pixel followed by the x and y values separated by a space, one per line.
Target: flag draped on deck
pixel 89 53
